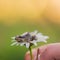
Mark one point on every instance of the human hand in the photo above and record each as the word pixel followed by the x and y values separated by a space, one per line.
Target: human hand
pixel 47 52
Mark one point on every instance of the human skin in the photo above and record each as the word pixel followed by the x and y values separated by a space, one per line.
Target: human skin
pixel 47 52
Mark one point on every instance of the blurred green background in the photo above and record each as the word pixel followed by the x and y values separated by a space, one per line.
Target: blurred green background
pixel 17 17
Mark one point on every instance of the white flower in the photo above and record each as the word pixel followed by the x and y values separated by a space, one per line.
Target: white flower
pixel 28 39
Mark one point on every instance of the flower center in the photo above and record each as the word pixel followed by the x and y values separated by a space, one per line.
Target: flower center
pixel 25 38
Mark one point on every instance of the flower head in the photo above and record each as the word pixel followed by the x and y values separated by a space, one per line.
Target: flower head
pixel 29 38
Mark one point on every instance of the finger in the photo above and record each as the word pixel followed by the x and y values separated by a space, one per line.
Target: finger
pixel 27 55
pixel 34 53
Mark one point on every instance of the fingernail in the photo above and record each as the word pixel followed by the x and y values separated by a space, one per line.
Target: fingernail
pixel 36 57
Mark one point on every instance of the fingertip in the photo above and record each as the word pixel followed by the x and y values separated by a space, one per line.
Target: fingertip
pixel 27 56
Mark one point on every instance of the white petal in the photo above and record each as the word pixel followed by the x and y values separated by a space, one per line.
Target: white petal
pixel 38 40
pixel 38 35
pixel 34 33
pixel 46 37
pixel 24 33
pixel 21 44
pixel 35 44
pixel 33 41
pixel 17 44
pixel 13 38
pixel 14 43
pixel 27 45
pixel 45 41
pixel 41 40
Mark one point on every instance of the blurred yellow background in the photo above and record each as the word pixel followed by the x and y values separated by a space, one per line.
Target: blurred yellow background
pixel 11 10
pixel 18 16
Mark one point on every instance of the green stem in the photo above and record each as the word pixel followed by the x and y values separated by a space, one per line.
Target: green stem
pixel 30 53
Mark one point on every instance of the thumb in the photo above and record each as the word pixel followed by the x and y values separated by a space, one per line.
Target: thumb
pixel 34 53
